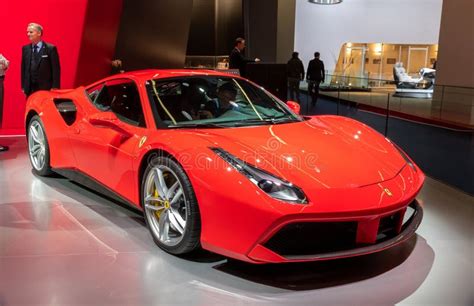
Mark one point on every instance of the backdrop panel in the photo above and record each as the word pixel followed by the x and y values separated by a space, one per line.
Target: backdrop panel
pixel 66 24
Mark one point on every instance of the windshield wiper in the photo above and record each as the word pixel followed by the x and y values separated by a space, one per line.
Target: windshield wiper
pixel 265 121
pixel 196 125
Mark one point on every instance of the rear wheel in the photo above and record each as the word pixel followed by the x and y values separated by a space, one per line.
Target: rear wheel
pixel 38 147
pixel 170 206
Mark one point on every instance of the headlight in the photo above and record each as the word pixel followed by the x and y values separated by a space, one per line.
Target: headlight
pixel 271 185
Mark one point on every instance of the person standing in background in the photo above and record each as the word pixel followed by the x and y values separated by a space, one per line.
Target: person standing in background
pixel 315 76
pixel 4 63
pixel 295 74
pixel 237 60
pixel 117 67
pixel 40 69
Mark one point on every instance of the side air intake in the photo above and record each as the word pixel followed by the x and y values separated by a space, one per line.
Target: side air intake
pixel 67 109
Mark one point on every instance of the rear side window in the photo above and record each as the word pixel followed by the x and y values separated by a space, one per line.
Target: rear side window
pixel 120 97
pixel 94 92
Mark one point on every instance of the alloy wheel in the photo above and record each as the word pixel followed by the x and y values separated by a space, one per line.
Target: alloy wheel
pixel 165 205
pixel 37 145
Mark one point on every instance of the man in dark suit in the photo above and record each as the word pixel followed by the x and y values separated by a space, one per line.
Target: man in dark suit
pixel 315 76
pixel 237 60
pixel 40 68
pixel 295 74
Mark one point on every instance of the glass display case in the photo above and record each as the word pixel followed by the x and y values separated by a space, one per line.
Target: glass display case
pixel 377 60
pixel 220 62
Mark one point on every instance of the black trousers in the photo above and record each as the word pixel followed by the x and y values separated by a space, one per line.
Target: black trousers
pixel 33 88
pixel 2 78
pixel 313 90
pixel 294 88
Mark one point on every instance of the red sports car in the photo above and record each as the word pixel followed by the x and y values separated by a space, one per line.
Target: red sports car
pixel 217 162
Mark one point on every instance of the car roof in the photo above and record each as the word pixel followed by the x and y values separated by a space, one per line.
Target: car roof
pixel 148 74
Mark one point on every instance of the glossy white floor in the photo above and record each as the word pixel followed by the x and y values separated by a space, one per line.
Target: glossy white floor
pixel 61 244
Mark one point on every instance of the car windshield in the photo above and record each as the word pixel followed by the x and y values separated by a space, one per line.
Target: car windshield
pixel 214 101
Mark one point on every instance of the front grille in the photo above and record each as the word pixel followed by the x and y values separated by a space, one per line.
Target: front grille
pixel 307 238
pixel 388 226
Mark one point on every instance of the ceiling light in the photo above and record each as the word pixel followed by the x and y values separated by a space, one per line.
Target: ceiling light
pixel 325 1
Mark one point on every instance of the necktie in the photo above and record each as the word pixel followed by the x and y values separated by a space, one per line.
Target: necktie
pixel 35 58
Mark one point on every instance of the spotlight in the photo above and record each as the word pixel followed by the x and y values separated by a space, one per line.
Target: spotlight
pixel 325 1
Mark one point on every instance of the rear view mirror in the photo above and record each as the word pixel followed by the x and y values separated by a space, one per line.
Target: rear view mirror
pixel 294 106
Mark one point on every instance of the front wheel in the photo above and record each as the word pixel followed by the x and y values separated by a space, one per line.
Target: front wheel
pixel 170 206
pixel 38 147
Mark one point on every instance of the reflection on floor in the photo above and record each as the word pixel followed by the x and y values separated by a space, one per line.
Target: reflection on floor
pixel 61 244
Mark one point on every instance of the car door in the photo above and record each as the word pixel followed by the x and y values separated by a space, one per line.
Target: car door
pixel 108 137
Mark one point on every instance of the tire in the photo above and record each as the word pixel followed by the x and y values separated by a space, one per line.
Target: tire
pixel 170 207
pixel 38 147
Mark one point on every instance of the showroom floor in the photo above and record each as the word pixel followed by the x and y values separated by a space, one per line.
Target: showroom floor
pixel 61 244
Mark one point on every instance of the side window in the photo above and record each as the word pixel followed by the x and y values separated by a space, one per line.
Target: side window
pixel 99 96
pixel 125 102
pixel 120 97
pixel 94 92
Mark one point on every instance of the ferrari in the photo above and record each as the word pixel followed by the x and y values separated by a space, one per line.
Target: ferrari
pixel 217 162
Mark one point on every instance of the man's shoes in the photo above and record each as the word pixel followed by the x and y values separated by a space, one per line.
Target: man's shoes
pixel 2 148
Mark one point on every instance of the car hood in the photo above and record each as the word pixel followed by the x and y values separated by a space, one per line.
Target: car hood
pixel 323 152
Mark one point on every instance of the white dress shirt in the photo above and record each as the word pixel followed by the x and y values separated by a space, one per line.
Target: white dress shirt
pixel 39 44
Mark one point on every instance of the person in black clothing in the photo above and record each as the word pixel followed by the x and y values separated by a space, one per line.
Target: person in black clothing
pixel 40 68
pixel 224 102
pixel 315 76
pixel 117 67
pixel 237 60
pixel 295 74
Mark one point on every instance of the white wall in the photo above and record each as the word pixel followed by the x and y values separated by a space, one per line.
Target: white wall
pixel 325 28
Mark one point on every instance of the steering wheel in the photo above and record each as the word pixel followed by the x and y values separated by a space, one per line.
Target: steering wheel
pixel 186 115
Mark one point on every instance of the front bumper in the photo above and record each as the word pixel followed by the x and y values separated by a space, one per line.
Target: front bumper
pixel 353 238
pixel 238 221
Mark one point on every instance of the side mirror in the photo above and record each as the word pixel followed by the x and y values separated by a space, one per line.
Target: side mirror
pixel 109 120
pixel 294 106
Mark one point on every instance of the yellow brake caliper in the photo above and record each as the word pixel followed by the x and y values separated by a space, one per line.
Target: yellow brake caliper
pixel 166 204
pixel 155 194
